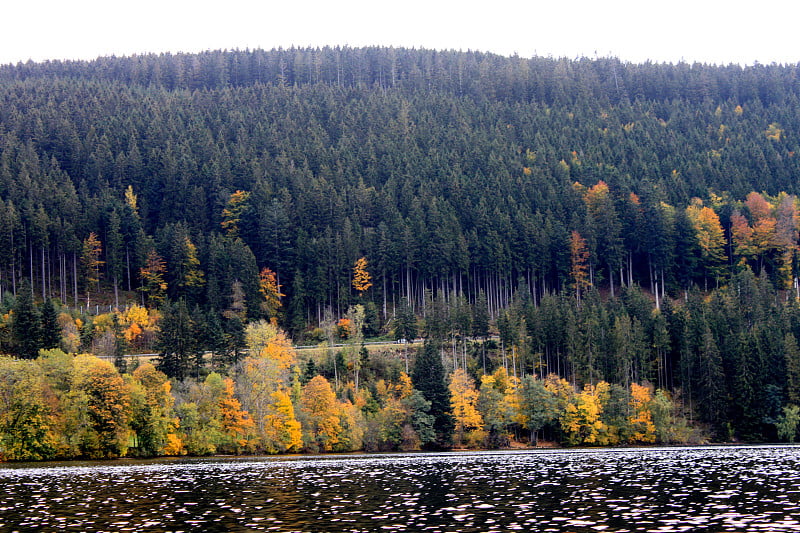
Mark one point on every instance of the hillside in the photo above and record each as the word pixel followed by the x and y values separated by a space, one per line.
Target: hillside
pixel 536 195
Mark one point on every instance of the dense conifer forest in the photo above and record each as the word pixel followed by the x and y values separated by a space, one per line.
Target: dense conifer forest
pixel 595 251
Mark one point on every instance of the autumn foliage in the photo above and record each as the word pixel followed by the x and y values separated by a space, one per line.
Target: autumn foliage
pixel 362 280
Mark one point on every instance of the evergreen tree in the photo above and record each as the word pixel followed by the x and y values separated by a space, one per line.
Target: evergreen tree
pixel 297 307
pixel 429 378
pixel 791 354
pixel 120 345
pixel 177 343
pixel 480 317
pixel 234 331
pixel 51 330
pixel 405 322
pixel 26 326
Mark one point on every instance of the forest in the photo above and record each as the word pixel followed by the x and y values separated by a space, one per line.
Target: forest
pixel 621 236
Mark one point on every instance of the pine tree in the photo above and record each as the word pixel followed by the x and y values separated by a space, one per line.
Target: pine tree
pixel 120 345
pixel 115 252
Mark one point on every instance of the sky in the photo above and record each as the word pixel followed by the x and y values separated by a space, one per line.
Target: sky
pixel 706 31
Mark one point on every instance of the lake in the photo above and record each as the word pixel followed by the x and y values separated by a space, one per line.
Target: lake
pixel 608 490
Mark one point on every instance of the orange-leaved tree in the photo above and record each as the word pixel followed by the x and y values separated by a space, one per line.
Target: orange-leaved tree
pixel 271 291
pixel 320 411
pixel 362 280
pixel 237 425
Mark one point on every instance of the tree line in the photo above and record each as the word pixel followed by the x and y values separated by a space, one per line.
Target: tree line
pixel 717 366
pixel 62 406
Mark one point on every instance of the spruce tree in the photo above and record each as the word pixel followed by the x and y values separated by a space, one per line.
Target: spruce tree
pixel 26 326
pixel 51 330
pixel 429 378
pixel 480 324
pixel 176 340
pixel 405 323
pixel 233 329
pixel 120 345
pixel 791 354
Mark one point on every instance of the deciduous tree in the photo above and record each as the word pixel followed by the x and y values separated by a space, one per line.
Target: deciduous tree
pixel 153 274
pixel 579 259
pixel 320 415
pixel 362 280
pixel 464 405
pixel 91 263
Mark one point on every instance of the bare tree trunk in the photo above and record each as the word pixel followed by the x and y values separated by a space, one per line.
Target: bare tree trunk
pixel 75 277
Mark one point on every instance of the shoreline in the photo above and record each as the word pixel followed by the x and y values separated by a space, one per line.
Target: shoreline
pixel 13 465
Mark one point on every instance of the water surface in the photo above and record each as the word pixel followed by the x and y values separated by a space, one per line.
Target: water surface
pixel 655 489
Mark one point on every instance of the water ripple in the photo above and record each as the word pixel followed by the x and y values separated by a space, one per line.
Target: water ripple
pixel 631 490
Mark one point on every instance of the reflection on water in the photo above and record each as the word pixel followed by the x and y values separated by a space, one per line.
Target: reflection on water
pixel 660 490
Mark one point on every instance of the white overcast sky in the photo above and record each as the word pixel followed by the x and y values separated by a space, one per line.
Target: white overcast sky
pixel 709 31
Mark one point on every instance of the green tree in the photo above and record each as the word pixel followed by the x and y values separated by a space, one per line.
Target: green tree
pixel 429 378
pixel 538 406
pixel 51 330
pixel 480 317
pixel 791 355
pixel 26 426
pixel 787 425
pixel 176 340
pixel 26 325
pixel 152 416
pixel 405 322
pixel 115 252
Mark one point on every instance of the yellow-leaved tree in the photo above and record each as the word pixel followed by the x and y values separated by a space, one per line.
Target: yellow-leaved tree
pixel 710 237
pixel 362 280
pixel 99 406
pixel 265 339
pixel 152 275
pixel 320 415
pixel 579 259
pixel 282 432
pixel 641 420
pixel 464 404
pixel 232 214
pixel 580 420
pixel 91 263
